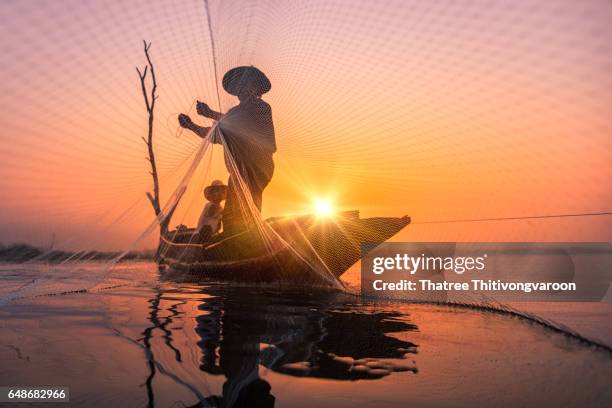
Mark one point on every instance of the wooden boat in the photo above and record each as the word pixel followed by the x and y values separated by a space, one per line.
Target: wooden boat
pixel 301 249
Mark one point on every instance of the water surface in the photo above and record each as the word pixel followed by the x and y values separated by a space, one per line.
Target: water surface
pixel 163 344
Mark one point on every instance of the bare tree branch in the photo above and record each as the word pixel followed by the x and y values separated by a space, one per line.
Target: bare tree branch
pixel 143 86
pixel 149 100
pixel 153 79
pixel 151 199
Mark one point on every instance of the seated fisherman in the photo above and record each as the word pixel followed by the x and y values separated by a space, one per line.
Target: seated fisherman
pixel 209 222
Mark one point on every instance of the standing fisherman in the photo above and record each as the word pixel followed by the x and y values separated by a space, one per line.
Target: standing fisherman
pixel 248 137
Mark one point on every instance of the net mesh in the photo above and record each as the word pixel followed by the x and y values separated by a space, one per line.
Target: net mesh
pixel 439 110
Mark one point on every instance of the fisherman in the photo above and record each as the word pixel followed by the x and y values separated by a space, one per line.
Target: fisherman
pixel 209 222
pixel 247 134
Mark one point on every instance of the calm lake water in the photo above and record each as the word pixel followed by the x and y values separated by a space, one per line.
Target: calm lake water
pixel 166 344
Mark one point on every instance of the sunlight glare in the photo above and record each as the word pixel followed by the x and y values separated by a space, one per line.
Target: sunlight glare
pixel 323 208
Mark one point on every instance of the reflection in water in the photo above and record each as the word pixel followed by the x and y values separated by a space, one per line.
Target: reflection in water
pixel 241 330
pixel 167 334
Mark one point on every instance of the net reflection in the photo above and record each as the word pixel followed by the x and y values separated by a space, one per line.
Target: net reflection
pixel 244 332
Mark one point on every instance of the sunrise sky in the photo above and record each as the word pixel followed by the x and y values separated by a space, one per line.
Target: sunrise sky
pixel 439 110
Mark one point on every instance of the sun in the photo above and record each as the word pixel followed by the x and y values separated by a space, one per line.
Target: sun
pixel 323 208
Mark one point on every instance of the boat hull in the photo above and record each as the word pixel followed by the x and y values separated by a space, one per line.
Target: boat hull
pixel 303 250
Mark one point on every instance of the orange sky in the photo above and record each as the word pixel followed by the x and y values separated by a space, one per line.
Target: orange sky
pixel 438 110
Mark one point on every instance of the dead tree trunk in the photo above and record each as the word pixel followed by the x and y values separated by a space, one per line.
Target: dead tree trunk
pixel 149 99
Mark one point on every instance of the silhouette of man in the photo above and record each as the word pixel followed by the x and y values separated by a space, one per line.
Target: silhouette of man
pixel 247 134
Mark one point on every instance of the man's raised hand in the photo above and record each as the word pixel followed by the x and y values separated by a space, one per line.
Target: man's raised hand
pixel 204 110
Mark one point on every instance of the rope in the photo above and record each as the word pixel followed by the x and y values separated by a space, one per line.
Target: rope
pixel 530 217
pixel 214 52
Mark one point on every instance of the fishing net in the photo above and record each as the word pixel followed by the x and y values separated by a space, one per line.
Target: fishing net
pixel 467 117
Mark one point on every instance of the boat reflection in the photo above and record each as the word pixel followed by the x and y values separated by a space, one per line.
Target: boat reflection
pixel 244 331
